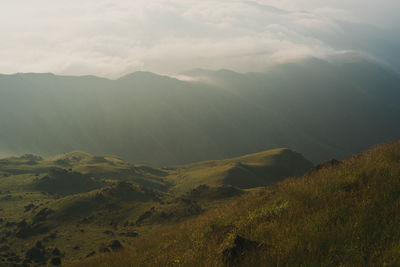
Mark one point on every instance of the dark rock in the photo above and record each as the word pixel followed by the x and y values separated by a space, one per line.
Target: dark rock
pixel 50 237
pixel 28 207
pixel 39 245
pixel 104 249
pixel 23 229
pixel 36 254
pixel 145 216
pixel 233 255
pixel 76 248
pixel 56 261
pixel 108 232
pixel 129 234
pixel 91 254
pixel 115 245
pixel 42 215
pixel 56 252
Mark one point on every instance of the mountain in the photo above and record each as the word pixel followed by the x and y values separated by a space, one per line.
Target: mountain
pixel 339 214
pixel 322 109
pixel 74 205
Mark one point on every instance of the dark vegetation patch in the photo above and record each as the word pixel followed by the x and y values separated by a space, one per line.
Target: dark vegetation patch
pixel 235 254
pixel 25 229
pixel 207 193
pixel 65 182
pixel 31 157
pixel 327 164
pixel 178 210
pixel 98 159
pixel 126 191
pixel 129 234
pixel 88 208
pixel 40 254
pixel 285 164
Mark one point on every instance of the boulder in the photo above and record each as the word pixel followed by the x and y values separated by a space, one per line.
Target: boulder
pixel 233 255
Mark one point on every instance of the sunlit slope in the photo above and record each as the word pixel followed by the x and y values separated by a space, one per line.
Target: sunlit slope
pixel 75 202
pixel 346 214
pixel 78 204
pixel 94 166
pixel 248 171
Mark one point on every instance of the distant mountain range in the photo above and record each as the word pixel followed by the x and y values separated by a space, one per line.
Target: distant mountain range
pixel 323 110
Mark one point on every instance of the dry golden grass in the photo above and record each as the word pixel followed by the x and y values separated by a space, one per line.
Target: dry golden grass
pixel 346 215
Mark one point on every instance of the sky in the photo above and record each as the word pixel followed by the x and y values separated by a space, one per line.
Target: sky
pixel 111 38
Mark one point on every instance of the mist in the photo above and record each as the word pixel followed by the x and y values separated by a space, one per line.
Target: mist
pixel 111 39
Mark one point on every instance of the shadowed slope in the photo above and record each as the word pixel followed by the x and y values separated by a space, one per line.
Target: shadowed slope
pixel 259 169
pixel 322 109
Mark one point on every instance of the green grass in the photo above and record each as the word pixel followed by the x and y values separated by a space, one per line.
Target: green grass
pixel 92 199
pixel 68 185
pixel 248 171
pixel 345 215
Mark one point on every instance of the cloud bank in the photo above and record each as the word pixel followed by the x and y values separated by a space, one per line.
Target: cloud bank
pixel 111 38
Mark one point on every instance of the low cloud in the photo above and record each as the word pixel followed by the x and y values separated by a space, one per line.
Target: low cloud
pixel 112 38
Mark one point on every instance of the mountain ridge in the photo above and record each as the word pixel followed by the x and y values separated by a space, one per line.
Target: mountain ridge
pixel 165 121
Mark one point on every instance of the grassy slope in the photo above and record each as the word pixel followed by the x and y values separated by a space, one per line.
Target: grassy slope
pixel 94 199
pixel 79 218
pixel 258 169
pixel 345 215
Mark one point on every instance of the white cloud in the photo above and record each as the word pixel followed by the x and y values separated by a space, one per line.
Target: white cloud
pixel 112 38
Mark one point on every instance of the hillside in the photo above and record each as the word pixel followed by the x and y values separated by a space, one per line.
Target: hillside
pixel 253 170
pixel 323 109
pixel 339 214
pixel 76 205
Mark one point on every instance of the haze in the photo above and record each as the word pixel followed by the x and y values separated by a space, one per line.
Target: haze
pixel 112 38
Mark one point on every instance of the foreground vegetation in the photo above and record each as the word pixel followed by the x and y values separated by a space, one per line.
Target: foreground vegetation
pixel 71 207
pixel 340 214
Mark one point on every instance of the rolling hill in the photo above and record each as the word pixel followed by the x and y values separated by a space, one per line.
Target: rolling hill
pixel 339 214
pixel 253 170
pixel 76 205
